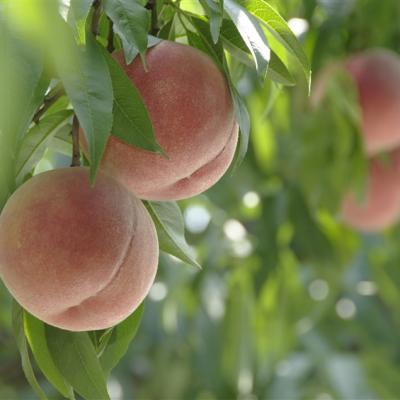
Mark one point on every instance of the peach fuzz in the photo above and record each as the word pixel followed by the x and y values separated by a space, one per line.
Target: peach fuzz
pixel 191 109
pixel 380 206
pixel 77 257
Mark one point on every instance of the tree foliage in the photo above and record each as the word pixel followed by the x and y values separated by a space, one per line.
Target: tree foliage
pixel 289 302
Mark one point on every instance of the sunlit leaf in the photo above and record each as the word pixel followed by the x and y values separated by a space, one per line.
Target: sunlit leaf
pixel 278 72
pixel 251 33
pixel 234 43
pixel 279 28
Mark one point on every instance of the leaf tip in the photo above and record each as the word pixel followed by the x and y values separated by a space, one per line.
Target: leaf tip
pixel 162 152
pixel 92 175
pixel 143 59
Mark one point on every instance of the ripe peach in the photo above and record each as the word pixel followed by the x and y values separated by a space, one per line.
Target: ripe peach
pixel 376 75
pixel 77 257
pixel 380 207
pixel 190 106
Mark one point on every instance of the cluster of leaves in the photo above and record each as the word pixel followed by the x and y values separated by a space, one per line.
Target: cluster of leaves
pixel 56 66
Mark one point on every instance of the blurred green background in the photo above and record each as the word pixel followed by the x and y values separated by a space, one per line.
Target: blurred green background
pixel 290 303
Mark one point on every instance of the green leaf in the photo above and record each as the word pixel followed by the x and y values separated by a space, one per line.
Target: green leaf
pixel 61 142
pixel 35 142
pixel 131 51
pixel 243 119
pixel 21 73
pixel 74 355
pixel 215 15
pixel 33 102
pixel 119 340
pixel 131 22
pixel 35 332
pixel 278 27
pixel 196 41
pixel 18 331
pixel 88 85
pixel 234 43
pixel 167 31
pixel 215 51
pixel 168 221
pixel 77 14
pixel 131 120
pixel 252 35
pixel 278 72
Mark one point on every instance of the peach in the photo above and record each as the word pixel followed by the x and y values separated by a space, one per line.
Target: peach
pixel 191 110
pixel 380 207
pixel 376 75
pixel 77 257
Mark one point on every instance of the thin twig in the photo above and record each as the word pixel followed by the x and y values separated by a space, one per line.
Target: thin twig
pixel 152 5
pixel 48 102
pixel 110 37
pixel 76 154
pixel 95 18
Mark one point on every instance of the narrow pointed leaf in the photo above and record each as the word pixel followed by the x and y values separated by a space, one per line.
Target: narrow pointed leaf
pixel 76 18
pixel 131 21
pixel 279 28
pixel 21 73
pixel 130 51
pixel 131 120
pixel 215 51
pixel 168 220
pixel 243 119
pixel 35 142
pixel 88 85
pixel 19 334
pixel 36 334
pixel 234 43
pixel 120 339
pixel 61 142
pixel 278 72
pixel 215 15
pixel 252 34
pixel 74 355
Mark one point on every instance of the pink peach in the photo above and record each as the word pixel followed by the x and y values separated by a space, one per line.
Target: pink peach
pixel 77 257
pixel 380 206
pixel 376 74
pixel 191 110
